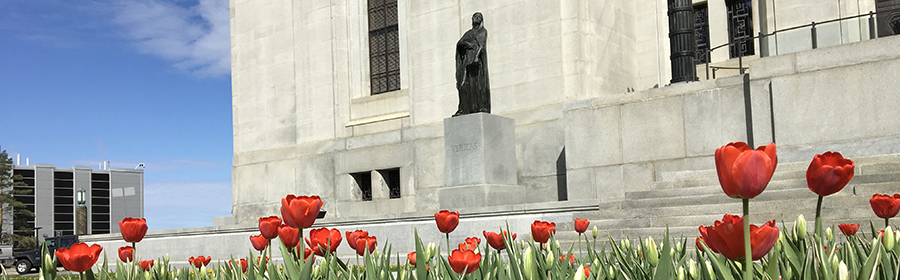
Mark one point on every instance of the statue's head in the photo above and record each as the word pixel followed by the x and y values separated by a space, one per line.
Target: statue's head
pixel 477 19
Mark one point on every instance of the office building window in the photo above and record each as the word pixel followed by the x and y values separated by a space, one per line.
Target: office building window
pixel 740 27
pixel 384 46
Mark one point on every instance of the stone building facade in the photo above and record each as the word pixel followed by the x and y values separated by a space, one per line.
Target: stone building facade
pixel 322 107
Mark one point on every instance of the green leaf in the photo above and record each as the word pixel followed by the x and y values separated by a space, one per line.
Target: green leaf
pixel 717 265
pixel 665 269
pixel 868 268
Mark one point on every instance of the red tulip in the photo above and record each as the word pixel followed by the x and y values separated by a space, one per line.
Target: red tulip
pixel 300 211
pixel 146 265
pixel 353 235
pixel 849 229
pixel 581 225
pixel 587 271
pixel 323 239
pixel 727 237
pixel 243 263
pixel 200 261
pixel 260 242
pixel 885 206
pixel 268 226
pixel 496 239
pixel 464 261
pixel 470 244
pixel 79 257
pixel 290 236
pixel 744 172
pixel 700 247
pixel 562 258
pixel 446 220
pixel 133 230
pixel 307 252
pixel 541 231
pixel 260 262
pixel 126 254
pixel 365 242
pixel 828 173
pixel 411 258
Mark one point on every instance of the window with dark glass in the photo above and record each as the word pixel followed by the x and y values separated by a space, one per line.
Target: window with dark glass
pixel 364 181
pixel 392 179
pixel 384 46
pixel 740 27
pixel 701 26
pixel 23 224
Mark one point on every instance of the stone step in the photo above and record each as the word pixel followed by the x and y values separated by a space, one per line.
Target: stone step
pixel 864 165
pixel 668 190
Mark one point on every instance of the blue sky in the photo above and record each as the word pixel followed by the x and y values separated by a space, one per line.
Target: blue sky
pixel 128 81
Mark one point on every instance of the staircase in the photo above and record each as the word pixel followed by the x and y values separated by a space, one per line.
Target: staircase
pixel 684 200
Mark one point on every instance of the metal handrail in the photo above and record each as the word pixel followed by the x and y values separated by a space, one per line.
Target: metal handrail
pixel 872 35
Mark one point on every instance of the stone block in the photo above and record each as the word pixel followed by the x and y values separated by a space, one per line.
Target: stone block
pixel 480 195
pixel 480 149
pixel 713 118
pixel 653 129
pixel 609 182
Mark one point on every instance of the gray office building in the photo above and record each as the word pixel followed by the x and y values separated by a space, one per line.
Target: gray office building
pixel 109 195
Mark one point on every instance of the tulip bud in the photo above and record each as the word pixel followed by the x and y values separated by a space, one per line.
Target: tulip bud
pixel 739 265
pixel 612 272
pixel 829 235
pixel 381 275
pixel 651 253
pixel 692 269
pixel 842 273
pixel 888 239
pixel 680 273
pixel 897 240
pixel 628 244
pixel 528 263
pixel 167 258
pixel 550 259
pixel 709 268
pixel 622 244
pixel 429 251
pixel 800 226
pixel 596 263
pixel 324 267
pixel 316 271
pixel 678 247
pixel 579 273
pixel 596 232
pixel 834 263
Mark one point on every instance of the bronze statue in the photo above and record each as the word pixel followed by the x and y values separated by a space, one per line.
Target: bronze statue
pixel 472 70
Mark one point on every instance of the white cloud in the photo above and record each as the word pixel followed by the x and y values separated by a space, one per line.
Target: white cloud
pixel 195 39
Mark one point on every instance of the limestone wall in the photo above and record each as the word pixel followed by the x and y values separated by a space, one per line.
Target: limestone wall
pixel 835 98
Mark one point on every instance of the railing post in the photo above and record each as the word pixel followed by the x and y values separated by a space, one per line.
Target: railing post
pixel 707 69
pixel 813 34
pixel 872 26
pixel 763 45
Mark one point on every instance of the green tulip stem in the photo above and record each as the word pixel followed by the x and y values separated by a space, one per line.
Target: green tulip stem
pixel 887 222
pixel 302 249
pixel 819 218
pixel 580 253
pixel 748 257
pixel 81 275
pixel 269 248
pixel 448 244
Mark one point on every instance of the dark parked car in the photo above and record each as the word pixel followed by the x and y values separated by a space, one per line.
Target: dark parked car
pixel 31 259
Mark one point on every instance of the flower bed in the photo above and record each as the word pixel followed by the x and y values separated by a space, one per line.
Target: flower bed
pixel 729 249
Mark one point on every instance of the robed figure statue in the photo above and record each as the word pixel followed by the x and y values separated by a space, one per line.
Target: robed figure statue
pixel 472 70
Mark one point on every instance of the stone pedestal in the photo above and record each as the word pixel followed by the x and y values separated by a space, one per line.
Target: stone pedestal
pixel 480 167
